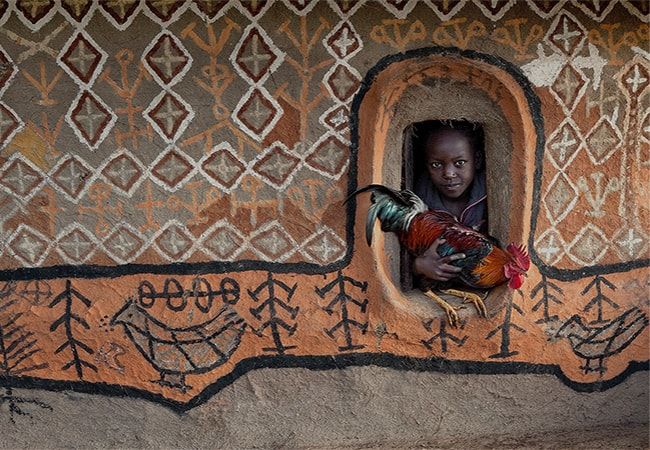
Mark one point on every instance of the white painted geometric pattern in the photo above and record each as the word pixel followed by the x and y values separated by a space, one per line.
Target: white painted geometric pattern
pixel 589 246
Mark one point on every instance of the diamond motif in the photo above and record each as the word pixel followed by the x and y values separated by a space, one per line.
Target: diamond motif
pixel 324 247
pixel 9 125
pixel 635 80
pixel 276 166
pixel 90 119
pixel 563 144
pixel 272 242
pixel 224 242
pixel 337 118
pixel 560 198
pixel 28 245
pixel 171 168
pixel 567 34
pixel 124 172
pixel 602 140
pixel 255 57
pixel 124 244
pixel 211 8
pixel 77 9
pixel 550 246
pixel 9 69
pixel 121 12
pixel 21 178
pixel 344 41
pixel 589 246
pixel 167 59
pixel 223 167
pixel 76 245
pixel 569 86
pixel 258 113
pixel 164 9
pixel 71 176
pixel 630 243
pixel 342 82
pixel 329 157
pixel 81 58
pixel 34 10
pixel 169 115
pixel 174 241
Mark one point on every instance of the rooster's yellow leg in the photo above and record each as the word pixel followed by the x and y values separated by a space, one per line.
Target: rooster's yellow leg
pixel 469 297
pixel 452 315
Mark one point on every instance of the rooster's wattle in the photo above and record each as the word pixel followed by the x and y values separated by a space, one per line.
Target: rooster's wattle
pixel 485 264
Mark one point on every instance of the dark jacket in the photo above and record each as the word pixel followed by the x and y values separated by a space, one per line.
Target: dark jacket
pixel 474 215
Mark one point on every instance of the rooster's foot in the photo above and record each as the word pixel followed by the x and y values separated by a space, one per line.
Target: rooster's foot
pixel 470 297
pixel 452 315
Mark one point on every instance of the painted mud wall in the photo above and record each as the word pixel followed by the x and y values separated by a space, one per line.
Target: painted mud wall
pixel 173 177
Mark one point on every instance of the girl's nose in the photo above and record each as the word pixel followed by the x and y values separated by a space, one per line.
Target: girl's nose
pixel 449 172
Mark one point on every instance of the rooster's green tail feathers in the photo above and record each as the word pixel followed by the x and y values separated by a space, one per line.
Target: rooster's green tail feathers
pixel 395 210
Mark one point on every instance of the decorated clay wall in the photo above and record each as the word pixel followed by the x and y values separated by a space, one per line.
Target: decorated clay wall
pixel 173 177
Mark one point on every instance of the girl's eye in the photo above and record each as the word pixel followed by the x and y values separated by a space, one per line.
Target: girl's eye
pixel 460 163
pixel 436 165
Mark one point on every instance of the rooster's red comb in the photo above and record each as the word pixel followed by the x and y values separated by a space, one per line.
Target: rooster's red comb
pixel 520 255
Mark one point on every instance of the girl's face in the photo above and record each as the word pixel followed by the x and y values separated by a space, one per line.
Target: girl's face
pixel 450 162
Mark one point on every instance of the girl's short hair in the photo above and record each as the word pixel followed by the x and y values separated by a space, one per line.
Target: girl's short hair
pixel 473 131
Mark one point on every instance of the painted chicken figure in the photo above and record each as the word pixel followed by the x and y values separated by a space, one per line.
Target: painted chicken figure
pixel 485 264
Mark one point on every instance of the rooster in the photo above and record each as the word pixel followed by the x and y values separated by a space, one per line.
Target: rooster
pixel 485 264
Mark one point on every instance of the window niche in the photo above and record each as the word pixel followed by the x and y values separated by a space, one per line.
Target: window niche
pixel 411 92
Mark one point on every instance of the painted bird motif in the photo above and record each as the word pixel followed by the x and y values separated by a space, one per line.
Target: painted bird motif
pixel 177 352
pixel 485 264
pixel 599 342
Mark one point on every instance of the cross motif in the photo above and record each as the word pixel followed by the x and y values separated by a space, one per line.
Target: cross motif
pixel 81 57
pixel 77 245
pixel 29 247
pixel 566 35
pixel 19 177
pixel 89 118
pixel 550 249
pixel 123 245
pixel 342 82
pixel 71 176
pixel 344 41
pixel 259 113
pixel 255 57
pixel 34 5
pixel 564 144
pixel 637 80
pixel 174 241
pixel 326 248
pixel 169 115
pixel 566 85
pixel 169 59
pixel 173 167
pixel 121 4
pixel 630 242
pixel 123 171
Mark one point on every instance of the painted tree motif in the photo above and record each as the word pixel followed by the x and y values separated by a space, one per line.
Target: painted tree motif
pixel 269 312
pixel 340 303
pixel 68 318
pixel 506 326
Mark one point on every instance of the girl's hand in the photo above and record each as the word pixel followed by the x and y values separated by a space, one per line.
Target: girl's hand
pixel 436 267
